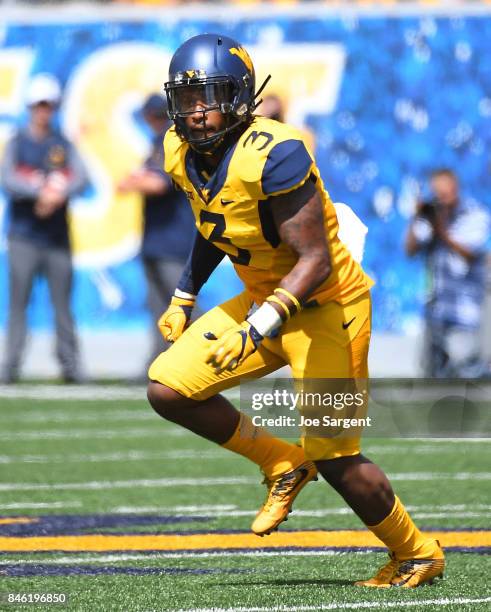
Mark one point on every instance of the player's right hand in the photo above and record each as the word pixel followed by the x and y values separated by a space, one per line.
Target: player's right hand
pixel 233 346
pixel 176 318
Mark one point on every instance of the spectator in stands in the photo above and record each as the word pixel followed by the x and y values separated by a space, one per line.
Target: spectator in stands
pixel 168 230
pixel 39 172
pixel 272 107
pixel 452 233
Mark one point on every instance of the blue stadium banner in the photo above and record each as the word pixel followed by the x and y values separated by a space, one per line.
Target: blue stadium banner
pixel 386 97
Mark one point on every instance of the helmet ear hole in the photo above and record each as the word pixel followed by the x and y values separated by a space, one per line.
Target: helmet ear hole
pixel 242 110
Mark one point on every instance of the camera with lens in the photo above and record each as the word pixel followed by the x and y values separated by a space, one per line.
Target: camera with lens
pixel 427 210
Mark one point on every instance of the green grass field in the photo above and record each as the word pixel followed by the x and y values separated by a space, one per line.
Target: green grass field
pixel 73 470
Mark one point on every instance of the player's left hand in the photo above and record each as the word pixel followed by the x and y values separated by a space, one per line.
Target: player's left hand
pixel 233 346
pixel 176 318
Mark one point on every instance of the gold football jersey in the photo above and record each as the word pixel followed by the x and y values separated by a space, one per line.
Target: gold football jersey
pixel 232 208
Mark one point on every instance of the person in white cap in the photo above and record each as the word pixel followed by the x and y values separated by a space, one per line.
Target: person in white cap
pixel 39 173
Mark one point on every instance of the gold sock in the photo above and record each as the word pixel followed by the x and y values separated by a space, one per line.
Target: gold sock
pixel 273 455
pixel 398 532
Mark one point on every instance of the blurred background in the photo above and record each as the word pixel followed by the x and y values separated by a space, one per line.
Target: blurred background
pixel 389 90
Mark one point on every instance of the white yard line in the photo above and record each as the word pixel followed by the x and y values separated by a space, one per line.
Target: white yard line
pixel 451 507
pixel 358 605
pixel 127 484
pixel 83 392
pixel 421 449
pixel 151 431
pixel 40 505
pixel 441 476
pixel 67 416
pixel 108 457
pixel 304 513
pixel 181 453
pixel 118 557
pixel 172 509
pixel 451 515
pixel 423 441
pixel 211 481
pixel 75 392
pixel 185 453
pixel 220 511
pixel 225 512
pixel 416 511
pixel 177 432
pixel 84 434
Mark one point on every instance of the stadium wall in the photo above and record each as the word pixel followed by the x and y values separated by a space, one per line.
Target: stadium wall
pixel 389 94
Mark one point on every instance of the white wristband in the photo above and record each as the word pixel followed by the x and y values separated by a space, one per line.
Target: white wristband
pixel 266 319
pixel 184 295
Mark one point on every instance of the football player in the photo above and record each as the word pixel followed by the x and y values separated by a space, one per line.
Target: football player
pixel 258 198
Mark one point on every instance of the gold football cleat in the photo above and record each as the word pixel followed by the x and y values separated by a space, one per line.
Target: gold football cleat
pixel 408 573
pixel 282 492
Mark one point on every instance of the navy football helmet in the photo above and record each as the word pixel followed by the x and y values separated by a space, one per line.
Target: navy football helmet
pixel 217 72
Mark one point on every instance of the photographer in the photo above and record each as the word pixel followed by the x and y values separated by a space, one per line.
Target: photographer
pixel 452 233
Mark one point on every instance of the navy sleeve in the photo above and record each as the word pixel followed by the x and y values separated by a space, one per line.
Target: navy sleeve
pixel 287 165
pixel 203 259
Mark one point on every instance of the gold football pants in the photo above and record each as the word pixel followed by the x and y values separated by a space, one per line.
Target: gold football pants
pixel 323 342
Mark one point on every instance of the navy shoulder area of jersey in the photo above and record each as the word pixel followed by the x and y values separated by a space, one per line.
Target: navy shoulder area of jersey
pixel 288 164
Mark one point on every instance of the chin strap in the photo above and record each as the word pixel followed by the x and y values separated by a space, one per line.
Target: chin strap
pixel 212 145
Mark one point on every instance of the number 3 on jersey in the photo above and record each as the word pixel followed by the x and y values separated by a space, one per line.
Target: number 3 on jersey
pixel 243 256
